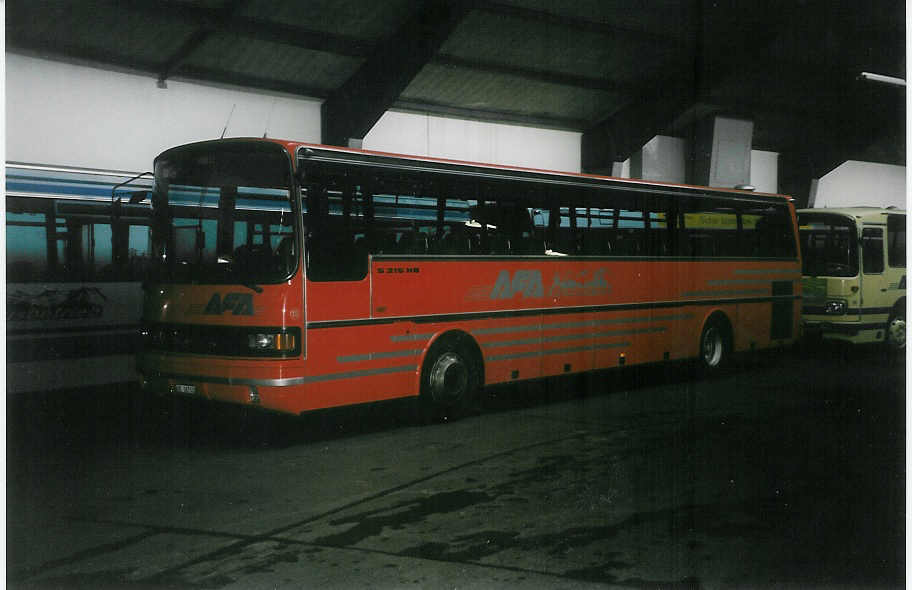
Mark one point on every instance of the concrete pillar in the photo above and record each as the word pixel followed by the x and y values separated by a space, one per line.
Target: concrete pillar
pixel 722 152
pixel 764 173
pixel 621 169
pixel 663 158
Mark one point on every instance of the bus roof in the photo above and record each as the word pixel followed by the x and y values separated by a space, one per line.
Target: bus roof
pixel 483 169
pixel 340 155
pixel 868 214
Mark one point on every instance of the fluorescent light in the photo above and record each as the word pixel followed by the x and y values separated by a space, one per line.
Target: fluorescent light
pixel 882 79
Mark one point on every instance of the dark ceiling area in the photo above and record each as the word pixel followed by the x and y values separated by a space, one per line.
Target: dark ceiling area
pixel 617 71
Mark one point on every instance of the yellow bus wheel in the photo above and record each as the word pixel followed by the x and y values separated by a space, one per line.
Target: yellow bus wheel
pixel 896 329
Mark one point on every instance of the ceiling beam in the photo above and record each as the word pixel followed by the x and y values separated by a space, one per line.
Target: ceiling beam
pixel 490 115
pixel 56 49
pixel 628 129
pixel 536 74
pixel 219 76
pixel 351 110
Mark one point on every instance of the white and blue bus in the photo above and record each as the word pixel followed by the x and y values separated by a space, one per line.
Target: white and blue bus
pixel 76 254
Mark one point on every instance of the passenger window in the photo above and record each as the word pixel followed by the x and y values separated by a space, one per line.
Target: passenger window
pixel 72 240
pixel 335 218
pixel 767 232
pixel 872 250
pixel 704 228
pixel 26 243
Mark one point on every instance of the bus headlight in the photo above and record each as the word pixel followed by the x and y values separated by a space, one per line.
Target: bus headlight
pixel 271 342
pixel 835 307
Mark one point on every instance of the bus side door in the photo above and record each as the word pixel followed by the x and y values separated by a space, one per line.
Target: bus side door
pixel 875 296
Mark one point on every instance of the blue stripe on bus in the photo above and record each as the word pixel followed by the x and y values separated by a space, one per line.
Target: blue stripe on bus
pixel 60 189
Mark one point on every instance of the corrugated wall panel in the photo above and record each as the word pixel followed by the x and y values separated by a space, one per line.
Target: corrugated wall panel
pixel 356 18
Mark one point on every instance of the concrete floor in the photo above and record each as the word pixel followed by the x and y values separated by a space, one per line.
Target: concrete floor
pixel 787 471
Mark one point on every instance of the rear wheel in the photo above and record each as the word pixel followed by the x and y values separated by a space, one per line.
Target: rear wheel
pixel 714 345
pixel 450 377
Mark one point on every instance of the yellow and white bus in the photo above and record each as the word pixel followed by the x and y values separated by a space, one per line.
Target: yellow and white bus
pixel 854 274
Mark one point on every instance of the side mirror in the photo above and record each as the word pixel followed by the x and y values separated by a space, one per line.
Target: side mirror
pixel 139 196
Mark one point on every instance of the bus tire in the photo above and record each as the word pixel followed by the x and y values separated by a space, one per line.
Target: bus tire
pixel 896 328
pixel 715 344
pixel 450 377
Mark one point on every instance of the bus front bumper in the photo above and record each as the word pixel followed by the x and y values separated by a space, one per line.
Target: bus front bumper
pixel 854 332
pixel 246 383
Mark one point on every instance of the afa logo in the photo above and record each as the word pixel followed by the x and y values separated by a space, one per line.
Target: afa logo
pixel 236 303
pixel 527 283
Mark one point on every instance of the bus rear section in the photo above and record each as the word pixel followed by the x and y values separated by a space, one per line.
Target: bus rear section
pixel 854 274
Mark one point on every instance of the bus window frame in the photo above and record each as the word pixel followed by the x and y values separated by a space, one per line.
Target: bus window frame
pixel 566 198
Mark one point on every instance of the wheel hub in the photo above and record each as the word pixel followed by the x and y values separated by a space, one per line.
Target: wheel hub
pixel 897 332
pixel 449 378
pixel 712 347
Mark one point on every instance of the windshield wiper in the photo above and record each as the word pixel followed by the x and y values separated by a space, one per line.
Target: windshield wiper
pixel 228 261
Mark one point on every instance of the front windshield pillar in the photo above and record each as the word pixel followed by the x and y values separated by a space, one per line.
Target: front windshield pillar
pixel 226 220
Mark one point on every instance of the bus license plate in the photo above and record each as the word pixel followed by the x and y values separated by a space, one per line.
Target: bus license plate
pixel 185 389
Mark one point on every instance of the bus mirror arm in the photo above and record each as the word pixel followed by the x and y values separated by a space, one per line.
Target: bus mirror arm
pixel 128 181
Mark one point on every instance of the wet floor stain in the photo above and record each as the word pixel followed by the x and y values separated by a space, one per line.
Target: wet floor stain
pixel 371 523
pixel 273 558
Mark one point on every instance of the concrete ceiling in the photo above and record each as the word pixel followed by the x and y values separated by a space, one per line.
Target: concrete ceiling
pixel 618 71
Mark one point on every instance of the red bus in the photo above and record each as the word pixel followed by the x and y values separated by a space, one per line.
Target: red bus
pixel 296 277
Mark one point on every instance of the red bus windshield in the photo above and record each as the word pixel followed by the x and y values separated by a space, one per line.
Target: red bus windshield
pixel 223 214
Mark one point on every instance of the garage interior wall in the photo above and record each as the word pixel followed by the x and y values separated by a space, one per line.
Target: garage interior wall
pixel 476 141
pixel 71 115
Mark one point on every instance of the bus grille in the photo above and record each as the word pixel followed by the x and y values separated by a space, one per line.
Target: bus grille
pixel 200 339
